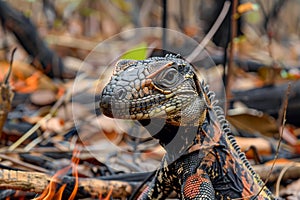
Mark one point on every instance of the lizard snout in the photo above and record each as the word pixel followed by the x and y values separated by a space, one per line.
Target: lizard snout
pixel 105 105
pixel 112 101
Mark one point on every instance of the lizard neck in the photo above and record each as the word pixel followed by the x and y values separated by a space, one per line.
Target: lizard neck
pixel 176 140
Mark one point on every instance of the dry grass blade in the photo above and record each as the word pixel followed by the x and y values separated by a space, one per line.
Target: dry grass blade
pixel 51 113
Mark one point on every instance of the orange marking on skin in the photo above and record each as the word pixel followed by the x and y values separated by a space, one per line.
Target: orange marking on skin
pixel 209 159
pixel 193 185
pixel 145 83
pixel 246 187
pixel 195 147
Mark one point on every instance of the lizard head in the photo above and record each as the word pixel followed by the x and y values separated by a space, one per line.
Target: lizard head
pixel 158 87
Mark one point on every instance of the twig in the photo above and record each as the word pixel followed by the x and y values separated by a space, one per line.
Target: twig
pixel 231 54
pixel 24 164
pixel 37 182
pixel 10 66
pixel 51 113
pixel 285 104
pixel 30 132
pixel 164 23
pixel 283 171
pixel 292 173
pixel 21 150
pixel 39 123
pixel 211 33
pixel 6 95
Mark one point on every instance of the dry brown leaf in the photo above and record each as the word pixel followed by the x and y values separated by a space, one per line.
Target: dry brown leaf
pixel 253 121
pixel 25 78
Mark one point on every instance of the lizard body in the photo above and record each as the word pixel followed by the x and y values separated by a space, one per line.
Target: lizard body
pixel 202 158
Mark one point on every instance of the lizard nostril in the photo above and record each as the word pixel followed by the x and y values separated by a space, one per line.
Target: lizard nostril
pixel 120 93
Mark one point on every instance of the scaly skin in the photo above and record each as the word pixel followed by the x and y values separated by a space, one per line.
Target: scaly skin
pixel 203 160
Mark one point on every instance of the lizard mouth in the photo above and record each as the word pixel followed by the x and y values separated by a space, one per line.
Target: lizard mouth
pixel 142 108
pixel 151 106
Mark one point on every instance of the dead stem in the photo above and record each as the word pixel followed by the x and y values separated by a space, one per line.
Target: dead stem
pixel 210 34
pixel 283 171
pixel 284 109
pixel 6 95
pixel 231 54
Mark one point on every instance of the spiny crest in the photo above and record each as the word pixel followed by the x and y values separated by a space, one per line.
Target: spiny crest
pixel 174 56
pixel 217 109
pixel 226 129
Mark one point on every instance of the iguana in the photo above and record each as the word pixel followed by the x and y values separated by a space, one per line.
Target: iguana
pixel 203 160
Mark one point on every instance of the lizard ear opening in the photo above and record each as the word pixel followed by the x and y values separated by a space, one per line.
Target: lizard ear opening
pixel 122 65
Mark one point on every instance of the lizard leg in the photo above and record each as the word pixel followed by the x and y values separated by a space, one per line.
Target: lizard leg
pixel 198 186
pixel 159 187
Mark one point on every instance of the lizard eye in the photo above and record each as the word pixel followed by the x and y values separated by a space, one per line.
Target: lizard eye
pixel 168 78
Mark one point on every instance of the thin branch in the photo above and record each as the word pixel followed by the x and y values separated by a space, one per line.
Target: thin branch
pixel 23 164
pixel 231 54
pixel 51 113
pixel 10 66
pixel 211 33
pixel 37 182
pixel 41 122
pixel 164 23
pixel 6 96
pixel 283 171
pixel 292 173
pixel 285 104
